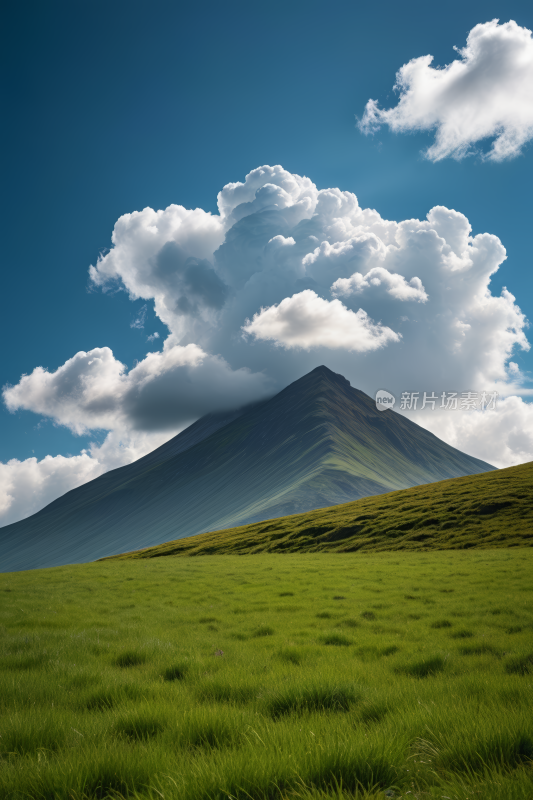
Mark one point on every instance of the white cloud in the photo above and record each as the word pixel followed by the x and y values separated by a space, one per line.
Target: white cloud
pixel 484 94
pixel 152 337
pixel 140 319
pixel 164 392
pixel 396 285
pixel 27 486
pixel 503 436
pixel 167 256
pixel 306 320
pixel 81 394
pixel 417 314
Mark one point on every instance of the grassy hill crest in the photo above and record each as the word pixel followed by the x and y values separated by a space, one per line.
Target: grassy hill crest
pixel 492 509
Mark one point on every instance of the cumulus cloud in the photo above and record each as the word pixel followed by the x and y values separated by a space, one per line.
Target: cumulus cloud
pixel 310 277
pixel 306 320
pixel 163 392
pixel 503 436
pixel 396 285
pixel 167 256
pixel 486 93
pixel 27 486
pixel 152 337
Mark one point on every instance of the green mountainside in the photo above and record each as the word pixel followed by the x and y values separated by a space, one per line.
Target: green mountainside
pixel 317 443
pixel 490 510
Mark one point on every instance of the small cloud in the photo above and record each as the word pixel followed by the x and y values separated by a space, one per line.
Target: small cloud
pixel 483 94
pixel 140 319
pixel 152 337
pixel 396 285
pixel 306 320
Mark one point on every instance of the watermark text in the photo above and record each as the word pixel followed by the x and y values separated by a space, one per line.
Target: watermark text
pixel 449 401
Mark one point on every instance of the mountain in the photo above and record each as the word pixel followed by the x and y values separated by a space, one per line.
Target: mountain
pixel 494 509
pixel 317 443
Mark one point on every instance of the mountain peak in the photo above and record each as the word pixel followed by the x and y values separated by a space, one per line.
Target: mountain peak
pixel 317 443
pixel 314 380
pixel 326 372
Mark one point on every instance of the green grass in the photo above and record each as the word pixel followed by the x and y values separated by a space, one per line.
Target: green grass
pixel 297 676
pixel 492 509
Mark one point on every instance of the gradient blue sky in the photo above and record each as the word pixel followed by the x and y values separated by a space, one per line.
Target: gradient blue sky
pixel 113 106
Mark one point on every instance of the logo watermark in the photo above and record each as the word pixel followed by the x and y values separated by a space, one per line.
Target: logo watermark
pixel 449 401
pixel 384 400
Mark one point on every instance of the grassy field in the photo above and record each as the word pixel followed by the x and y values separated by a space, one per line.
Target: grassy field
pixel 405 675
pixel 493 509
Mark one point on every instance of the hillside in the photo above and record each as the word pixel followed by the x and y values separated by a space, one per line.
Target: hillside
pixel 489 510
pixel 317 443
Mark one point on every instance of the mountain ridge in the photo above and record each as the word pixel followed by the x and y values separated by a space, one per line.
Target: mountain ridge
pixel 318 442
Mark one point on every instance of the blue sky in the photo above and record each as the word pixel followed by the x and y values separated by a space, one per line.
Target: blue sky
pixel 116 106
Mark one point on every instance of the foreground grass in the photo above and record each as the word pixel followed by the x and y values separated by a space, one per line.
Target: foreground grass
pixel 297 676
pixel 493 509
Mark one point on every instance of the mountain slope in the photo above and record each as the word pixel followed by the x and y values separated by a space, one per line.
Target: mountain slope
pixel 494 509
pixel 317 443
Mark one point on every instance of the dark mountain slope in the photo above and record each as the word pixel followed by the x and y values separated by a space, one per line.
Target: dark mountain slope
pixel 489 510
pixel 317 443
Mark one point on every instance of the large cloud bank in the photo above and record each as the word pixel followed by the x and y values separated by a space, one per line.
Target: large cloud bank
pixel 285 277
pixel 487 93
pixel 165 391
